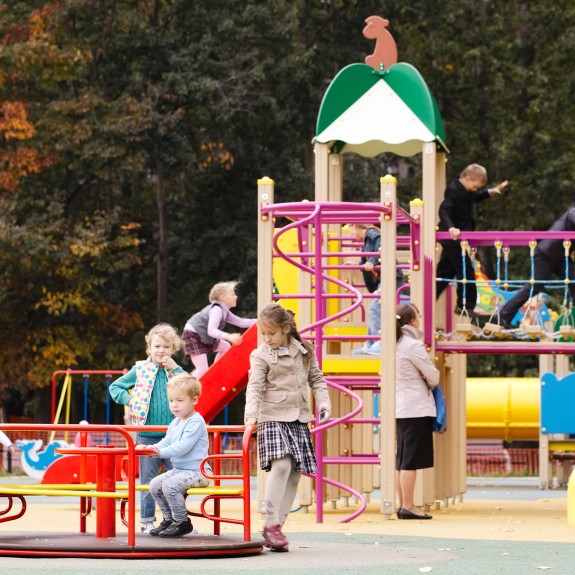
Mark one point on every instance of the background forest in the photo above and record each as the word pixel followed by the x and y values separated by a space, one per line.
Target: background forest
pixel 132 134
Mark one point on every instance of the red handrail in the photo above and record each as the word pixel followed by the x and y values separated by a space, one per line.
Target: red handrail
pixel 217 477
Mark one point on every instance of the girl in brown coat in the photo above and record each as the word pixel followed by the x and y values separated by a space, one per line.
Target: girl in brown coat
pixel 277 400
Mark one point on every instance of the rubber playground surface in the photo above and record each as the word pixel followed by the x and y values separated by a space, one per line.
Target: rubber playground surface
pixel 505 526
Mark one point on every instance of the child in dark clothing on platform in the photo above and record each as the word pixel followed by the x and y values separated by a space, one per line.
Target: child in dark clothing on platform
pixel 455 216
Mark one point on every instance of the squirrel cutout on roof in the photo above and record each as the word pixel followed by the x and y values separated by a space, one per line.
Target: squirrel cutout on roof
pixel 385 51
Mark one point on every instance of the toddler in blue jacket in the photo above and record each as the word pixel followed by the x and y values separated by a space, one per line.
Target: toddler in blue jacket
pixel 186 444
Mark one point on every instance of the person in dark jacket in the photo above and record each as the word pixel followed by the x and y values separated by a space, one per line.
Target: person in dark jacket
pixel 371 237
pixel 549 258
pixel 455 216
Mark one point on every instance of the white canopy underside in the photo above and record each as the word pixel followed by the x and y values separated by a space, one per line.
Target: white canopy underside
pixel 379 121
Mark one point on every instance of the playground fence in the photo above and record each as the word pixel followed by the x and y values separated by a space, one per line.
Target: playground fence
pixel 492 458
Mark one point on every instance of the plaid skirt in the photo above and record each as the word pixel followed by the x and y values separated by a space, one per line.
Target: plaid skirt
pixel 276 439
pixel 193 345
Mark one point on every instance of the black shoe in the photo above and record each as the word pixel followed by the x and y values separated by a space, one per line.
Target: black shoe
pixel 399 512
pixel 504 323
pixel 178 529
pixel 163 525
pixel 406 514
pixel 465 311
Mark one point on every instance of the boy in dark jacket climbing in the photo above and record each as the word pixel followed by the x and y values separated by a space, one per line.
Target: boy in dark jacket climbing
pixel 455 216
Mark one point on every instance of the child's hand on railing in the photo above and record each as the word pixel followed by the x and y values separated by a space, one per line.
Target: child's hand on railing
pixel 148 448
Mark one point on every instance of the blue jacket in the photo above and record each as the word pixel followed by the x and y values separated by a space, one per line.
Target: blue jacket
pixel 186 443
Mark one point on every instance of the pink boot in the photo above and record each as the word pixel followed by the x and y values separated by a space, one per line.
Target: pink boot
pixel 275 539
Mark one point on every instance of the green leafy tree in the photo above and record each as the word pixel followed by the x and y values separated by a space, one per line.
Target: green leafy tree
pixel 132 134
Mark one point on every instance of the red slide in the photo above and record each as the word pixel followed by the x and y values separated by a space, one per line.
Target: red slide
pixel 227 377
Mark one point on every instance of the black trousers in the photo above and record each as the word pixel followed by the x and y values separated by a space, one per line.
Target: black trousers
pixel 543 269
pixel 450 266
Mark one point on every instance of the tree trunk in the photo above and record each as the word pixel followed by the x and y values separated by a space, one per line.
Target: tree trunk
pixel 162 278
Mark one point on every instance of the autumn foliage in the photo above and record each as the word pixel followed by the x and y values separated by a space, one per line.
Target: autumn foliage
pixel 132 135
pixel 16 161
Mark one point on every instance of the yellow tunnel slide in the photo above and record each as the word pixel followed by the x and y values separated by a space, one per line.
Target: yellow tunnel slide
pixel 503 408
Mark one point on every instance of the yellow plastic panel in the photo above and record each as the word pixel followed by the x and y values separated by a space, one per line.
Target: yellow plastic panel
pixel 335 366
pixel 285 274
pixel 503 408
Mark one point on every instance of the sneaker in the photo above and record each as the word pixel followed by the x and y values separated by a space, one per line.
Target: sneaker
pixel 374 349
pixel 274 538
pixel 465 311
pixel 146 527
pixel 360 350
pixel 163 525
pixel 178 529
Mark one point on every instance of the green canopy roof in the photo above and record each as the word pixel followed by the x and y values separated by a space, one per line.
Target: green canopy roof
pixel 370 112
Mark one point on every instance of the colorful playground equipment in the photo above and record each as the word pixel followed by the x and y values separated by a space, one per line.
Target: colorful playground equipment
pixel 367 110
pixel 222 382
pixel 227 377
pixel 310 265
pixel 504 408
pixel 108 489
pixel 108 472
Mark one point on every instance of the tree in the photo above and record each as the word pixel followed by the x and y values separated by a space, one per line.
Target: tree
pixel 60 244
pixel 133 132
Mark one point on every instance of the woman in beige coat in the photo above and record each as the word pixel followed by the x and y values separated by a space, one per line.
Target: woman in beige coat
pixel 277 399
pixel 415 409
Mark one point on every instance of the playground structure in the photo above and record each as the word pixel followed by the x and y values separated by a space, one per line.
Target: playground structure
pixel 105 542
pixel 369 110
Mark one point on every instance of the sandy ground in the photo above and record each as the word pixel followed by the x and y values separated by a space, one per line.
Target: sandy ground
pixel 493 531
pixel 536 519
pixel 510 520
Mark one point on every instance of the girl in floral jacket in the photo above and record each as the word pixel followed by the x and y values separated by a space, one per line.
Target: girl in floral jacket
pixel 143 390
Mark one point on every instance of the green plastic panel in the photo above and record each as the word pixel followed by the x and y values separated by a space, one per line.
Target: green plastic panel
pixel 350 84
pixel 353 81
